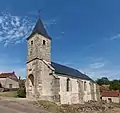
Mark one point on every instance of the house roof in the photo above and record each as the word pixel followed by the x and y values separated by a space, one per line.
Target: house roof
pixel 110 94
pixel 10 75
pixel 40 29
pixel 65 70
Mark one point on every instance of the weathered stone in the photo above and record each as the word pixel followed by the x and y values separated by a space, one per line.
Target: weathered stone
pixel 43 83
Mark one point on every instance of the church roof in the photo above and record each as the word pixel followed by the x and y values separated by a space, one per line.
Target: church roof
pixel 40 29
pixel 61 69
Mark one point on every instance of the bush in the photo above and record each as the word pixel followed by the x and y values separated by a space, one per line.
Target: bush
pixel 21 93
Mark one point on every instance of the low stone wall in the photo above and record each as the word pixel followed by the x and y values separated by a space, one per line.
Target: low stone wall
pixel 91 107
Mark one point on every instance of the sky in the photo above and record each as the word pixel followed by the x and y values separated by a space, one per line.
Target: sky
pixel 85 34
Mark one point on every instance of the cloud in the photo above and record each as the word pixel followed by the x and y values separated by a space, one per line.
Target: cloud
pixel 115 37
pixel 60 36
pixel 13 29
pixel 95 74
pixel 97 65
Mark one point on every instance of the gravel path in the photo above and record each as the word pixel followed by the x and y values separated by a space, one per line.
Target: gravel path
pixel 18 106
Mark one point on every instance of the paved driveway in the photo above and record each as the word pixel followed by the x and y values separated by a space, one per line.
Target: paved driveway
pixel 18 106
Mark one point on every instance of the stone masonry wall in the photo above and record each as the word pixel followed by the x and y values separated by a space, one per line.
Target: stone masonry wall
pixel 81 91
pixel 38 49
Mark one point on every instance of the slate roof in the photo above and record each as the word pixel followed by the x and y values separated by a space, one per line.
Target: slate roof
pixel 61 69
pixel 40 29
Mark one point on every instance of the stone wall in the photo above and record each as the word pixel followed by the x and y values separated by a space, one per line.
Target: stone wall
pixel 68 97
pixel 56 89
pixel 38 49
pixel 5 82
pixel 97 92
pixel 92 91
pixel 80 91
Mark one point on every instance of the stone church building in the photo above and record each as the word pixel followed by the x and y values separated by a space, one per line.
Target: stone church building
pixel 47 80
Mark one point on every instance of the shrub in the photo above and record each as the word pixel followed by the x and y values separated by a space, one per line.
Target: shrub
pixel 21 93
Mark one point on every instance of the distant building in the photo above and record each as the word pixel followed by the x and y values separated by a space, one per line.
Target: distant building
pixel 9 81
pixel 47 80
pixel 111 96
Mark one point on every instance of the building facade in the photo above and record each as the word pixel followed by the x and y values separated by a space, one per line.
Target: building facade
pixel 9 81
pixel 47 80
pixel 111 96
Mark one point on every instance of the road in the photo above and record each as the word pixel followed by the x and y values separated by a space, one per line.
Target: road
pixel 19 106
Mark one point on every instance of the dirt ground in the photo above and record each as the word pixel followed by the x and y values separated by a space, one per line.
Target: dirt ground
pixel 14 105
pixel 19 106
pixel 115 110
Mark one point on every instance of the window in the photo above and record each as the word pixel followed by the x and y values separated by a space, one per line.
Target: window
pixel 0 85
pixel 10 86
pixel 32 42
pixel 85 86
pixel 43 42
pixel 68 85
pixel 31 78
pixel 109 100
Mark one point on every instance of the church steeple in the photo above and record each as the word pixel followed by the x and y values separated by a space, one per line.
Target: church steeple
pixel 40 29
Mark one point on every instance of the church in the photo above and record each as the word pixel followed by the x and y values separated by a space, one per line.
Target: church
pixel 47 80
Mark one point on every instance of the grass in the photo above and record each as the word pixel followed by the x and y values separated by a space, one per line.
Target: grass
pixel 51 107
pixel 8 94
pixel 54 108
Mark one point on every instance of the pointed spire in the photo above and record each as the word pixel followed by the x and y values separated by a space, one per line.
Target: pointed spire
pixel 40 29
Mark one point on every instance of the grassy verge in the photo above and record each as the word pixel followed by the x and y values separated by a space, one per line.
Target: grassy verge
pixel 8 94
pixel 51 107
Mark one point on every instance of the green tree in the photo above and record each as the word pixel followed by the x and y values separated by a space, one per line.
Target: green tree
pixel 103 81
pixel 115 85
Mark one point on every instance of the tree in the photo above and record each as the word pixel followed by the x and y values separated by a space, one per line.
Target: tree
pixel 115 85
pixel 103 81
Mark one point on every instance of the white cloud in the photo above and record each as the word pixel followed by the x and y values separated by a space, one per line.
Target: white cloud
pixel 115 37
pixel 97 65
pixel 95 74
pixel 14 28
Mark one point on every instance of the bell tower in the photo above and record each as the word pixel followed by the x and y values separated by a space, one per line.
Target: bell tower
pixel 39 51
pixel 39 43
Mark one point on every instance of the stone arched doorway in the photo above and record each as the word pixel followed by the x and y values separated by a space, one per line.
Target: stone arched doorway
pixel 31 79
pixel 0 85
pixel 31 85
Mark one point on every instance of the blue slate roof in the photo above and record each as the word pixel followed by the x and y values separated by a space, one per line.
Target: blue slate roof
pixel 61 69
pixel 40 29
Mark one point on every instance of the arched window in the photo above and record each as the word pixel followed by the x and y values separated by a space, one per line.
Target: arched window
pixel 44 42
pixel 0 85
pixel 31 78
pixel 85 86
pixel 68 85
pixel 32 42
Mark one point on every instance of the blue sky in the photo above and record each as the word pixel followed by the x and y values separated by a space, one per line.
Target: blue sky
pixel 85 34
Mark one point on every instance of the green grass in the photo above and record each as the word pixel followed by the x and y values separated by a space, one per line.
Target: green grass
pixel 8 94
pixel 51 107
